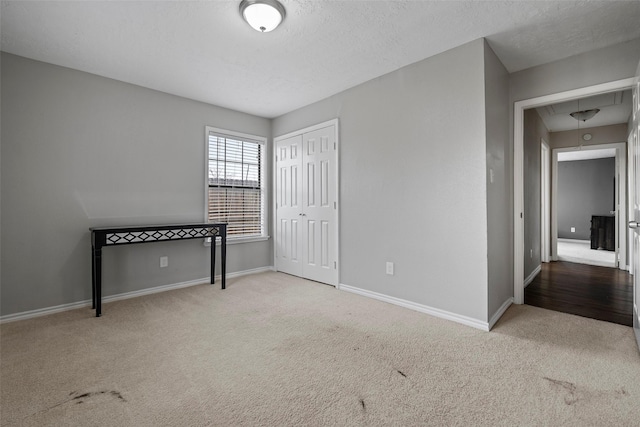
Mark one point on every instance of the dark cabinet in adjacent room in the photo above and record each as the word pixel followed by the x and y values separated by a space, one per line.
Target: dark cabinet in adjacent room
pixel 602 232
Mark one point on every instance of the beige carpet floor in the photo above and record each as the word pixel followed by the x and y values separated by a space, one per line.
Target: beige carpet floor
pixel 275 350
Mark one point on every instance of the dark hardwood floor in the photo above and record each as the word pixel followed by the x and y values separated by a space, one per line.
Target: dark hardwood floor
pixel 585 290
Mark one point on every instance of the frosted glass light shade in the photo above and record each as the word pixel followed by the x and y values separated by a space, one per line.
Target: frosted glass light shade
pixel 585 114
pixel 262 15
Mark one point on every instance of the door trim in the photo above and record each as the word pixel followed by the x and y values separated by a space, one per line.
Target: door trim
pixel 630 192
pixel 518 166
pixel 545 199
pixel 621 221
pixel 335 122
pixel 308 129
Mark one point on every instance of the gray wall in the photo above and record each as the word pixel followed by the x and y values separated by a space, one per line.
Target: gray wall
pixel 587 69
pixel 499 156
pixel 534 131
pixel 413 180
pixel 600 135
pixel 585 188
pixel 79 150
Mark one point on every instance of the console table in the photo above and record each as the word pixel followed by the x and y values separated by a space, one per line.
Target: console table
pixel 113 236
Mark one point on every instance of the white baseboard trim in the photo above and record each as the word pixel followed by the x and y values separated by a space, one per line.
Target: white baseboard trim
pixel 436 312
pixel 532 276
pixel 133 294
pixel 586 261
pixel 498 314
pixel 564 239
pixel 247 272
pixel 44 311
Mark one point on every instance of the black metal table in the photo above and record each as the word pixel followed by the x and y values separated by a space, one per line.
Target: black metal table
pixel 113 236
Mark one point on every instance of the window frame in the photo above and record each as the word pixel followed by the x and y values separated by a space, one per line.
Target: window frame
pixel 225 133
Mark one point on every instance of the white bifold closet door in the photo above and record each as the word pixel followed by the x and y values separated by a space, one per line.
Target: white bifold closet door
pixel 306 205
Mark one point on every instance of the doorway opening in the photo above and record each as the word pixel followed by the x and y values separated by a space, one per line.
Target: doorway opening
pixel 574 140
pixel 589 208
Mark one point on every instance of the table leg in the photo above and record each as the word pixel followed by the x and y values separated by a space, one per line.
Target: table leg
pixel 98 276
pixel 213 259
pixel 93 277
pixel 223 258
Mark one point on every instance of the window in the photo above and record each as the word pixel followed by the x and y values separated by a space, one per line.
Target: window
pixel 235 192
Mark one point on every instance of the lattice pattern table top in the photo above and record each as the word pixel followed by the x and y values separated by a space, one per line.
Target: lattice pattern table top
pixel 107 236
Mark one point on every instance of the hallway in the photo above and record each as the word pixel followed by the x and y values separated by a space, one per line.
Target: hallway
pixel 585 290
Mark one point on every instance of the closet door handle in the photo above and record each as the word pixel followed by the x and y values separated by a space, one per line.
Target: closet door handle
pixel 634 224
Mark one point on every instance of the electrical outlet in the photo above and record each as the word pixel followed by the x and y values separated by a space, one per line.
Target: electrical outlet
pixel 390 268
pixel 573 229
pixel 164 261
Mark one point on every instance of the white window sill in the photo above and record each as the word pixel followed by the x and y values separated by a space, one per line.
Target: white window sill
pixel 237 240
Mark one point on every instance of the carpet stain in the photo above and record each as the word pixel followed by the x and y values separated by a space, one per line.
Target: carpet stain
pixel 568 387
pixel 574 394
pixel 364 407
pixel 81 399
pixel 401 373
pixel 113 393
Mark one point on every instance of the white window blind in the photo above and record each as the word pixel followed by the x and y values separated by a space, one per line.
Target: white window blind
pixel 235 185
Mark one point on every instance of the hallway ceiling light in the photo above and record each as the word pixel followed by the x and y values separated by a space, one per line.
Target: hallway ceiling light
pixel 262 15
pixel 585 114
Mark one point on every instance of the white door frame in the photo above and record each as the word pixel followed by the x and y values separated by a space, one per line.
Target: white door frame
pixel 518 166
pixel 630 192
pixel 545 205
pixel 622 229
pixel 620 188
pixel 335 122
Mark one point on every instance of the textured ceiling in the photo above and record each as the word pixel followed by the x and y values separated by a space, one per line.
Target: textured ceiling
pixel 615 108
pixel 203 50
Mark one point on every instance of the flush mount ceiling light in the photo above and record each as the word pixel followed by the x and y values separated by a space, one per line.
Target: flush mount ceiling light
pixel 262 15
pixel 585 114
